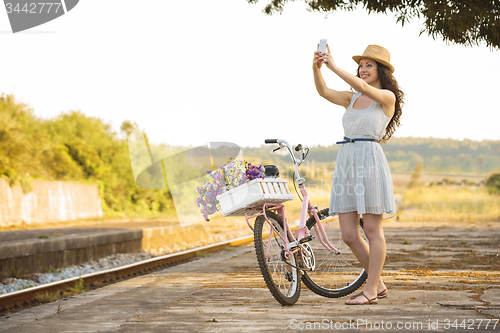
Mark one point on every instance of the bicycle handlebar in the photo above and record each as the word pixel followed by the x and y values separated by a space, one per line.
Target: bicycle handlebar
pixel 285 144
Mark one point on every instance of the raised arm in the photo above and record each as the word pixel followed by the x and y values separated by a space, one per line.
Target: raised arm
pixel 336 97
pixel 383 96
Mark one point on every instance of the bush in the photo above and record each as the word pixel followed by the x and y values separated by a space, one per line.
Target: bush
pixel 493 183
pixel 415 177
pixel 74 147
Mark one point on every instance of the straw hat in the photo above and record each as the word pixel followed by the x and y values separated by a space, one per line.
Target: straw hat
pixel 377 53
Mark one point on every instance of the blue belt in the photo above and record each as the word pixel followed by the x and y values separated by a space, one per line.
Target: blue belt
pixel 347 140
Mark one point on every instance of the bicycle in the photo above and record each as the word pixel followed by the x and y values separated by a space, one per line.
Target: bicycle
pixel 315 255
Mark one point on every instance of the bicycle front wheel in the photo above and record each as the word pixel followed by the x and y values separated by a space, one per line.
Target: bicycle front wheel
pixel 334 275
pixel 280 273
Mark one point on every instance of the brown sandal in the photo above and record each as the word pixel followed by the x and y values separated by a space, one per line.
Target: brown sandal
pixel 368 301
pixel 381 294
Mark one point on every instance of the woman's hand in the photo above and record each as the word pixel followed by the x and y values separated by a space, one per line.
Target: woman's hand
pixel 327 58
pixel 317 60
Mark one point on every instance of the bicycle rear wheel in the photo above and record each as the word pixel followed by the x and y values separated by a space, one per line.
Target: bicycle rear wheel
pixel 335 275
pixel 282 279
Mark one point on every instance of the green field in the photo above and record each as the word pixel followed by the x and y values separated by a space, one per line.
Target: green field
pixel 77 148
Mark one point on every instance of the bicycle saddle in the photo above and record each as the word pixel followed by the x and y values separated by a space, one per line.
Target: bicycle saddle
pixel 271 171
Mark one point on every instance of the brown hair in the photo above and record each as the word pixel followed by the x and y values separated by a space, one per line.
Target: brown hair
pixel 387 81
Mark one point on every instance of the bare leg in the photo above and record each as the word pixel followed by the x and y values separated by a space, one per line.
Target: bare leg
pixel 371 257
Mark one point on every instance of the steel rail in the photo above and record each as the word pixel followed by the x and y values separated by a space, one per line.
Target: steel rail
pixel 26 295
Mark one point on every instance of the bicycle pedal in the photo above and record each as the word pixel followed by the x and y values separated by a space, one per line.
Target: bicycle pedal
pixel 304 267
pixel 306 239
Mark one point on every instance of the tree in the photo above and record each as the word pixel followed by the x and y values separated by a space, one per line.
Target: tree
pixel 480 159
pixel 493 182
pixel 73 147
pixel 415 159
pixel 415 177
pixel 128 127
pixel 466 22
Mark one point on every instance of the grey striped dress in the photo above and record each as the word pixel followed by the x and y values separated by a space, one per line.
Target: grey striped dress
pixel 362 179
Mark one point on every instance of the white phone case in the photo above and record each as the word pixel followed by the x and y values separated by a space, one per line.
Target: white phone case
pixel 322 46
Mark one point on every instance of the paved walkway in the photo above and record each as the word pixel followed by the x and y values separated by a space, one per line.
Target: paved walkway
pixel 54 231
pixel 440 279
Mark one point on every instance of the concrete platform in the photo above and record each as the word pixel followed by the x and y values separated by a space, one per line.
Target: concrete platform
pixel 436 275
pixel 36 250
pixel 64 247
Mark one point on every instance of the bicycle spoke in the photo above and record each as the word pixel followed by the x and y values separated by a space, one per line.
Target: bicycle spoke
pixel 281 278
pixel 335 274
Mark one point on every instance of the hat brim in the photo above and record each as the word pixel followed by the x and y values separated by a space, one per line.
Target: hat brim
pixel 383 62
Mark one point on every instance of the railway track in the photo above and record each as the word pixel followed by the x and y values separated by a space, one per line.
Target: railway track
pixel 146 266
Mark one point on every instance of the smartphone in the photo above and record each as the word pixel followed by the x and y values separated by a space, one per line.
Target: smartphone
pixel 322 46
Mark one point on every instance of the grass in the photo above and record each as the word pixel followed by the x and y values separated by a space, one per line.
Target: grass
pixel 19 273
pixel 427 203
pixel 46 297
pixel 450 203
pixel 52 270
pixel 80 286
pixel 204 254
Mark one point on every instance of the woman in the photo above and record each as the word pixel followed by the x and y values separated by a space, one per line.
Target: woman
pixel 362 182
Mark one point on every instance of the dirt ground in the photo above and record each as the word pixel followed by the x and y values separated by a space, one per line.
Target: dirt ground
pixel 436 273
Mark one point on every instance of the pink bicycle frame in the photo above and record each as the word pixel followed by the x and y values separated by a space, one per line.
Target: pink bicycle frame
pixel 307 209
pixel 318 226
pixel 301 231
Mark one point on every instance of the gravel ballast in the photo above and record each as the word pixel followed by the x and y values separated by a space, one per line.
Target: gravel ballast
pixel 35 279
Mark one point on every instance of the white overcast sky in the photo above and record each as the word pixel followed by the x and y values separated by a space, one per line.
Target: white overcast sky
pixel 191 72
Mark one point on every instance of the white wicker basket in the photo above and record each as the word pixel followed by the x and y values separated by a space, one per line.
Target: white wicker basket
pixel 255 193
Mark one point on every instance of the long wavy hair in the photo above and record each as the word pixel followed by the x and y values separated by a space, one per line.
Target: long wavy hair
pixel 387 81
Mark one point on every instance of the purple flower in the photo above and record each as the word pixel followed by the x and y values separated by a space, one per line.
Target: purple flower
pixel 225 178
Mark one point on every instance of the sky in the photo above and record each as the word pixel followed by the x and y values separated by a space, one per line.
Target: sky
pixel 192 72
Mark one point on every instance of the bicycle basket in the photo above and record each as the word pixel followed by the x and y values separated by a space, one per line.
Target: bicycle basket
pixel 253 194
